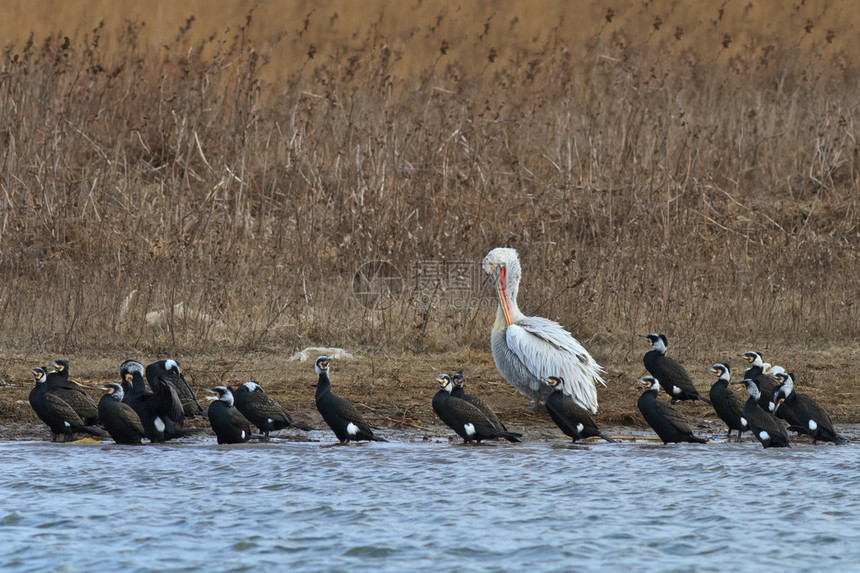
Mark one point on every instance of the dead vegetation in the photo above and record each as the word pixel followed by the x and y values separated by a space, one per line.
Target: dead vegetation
pixel 217 189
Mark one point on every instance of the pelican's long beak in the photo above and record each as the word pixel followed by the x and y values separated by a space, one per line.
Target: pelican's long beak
pixel 503 297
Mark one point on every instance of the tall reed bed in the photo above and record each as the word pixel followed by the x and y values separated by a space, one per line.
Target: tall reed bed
pixel 182 199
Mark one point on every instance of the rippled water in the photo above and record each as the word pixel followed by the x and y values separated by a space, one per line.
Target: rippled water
pixel 428 506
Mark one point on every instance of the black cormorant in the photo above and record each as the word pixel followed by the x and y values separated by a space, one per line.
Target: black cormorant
pixel 766 383
pixel 672 376
pixel 158 411
pixel 669 424
pixel 341 416
pixel 228 423
pixel 55 412
pixel 573 419
pixel 803 413
pixel 120 420
pixel 263 411
pixel 72 393
pixel 727 404
pixel 765 426
pixel 459 391
pixel 466 419
pixel 168 372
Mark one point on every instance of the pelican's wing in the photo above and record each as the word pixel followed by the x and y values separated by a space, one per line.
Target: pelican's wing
pixel 547 349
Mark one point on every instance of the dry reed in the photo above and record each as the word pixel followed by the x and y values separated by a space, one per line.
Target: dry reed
pixel 653 175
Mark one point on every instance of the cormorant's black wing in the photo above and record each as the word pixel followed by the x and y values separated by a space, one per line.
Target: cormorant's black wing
pixel 674 417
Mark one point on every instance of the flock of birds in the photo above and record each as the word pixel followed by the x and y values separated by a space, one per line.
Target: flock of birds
pixel 535 355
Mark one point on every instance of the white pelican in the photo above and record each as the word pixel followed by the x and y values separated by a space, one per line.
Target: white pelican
pixel 528 349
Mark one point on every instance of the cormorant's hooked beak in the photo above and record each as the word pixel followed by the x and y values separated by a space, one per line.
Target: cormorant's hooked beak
pixel 211 391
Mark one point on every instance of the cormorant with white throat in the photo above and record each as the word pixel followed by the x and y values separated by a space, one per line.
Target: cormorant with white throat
pixel 728 405
pixel 673 377
pixel 340 415
pixel 466 419
pixel 120 420
pixel 765 426
pixel 229 425
pixel 263 411
pixel 803 413
pixel 669 424
pixel 570 417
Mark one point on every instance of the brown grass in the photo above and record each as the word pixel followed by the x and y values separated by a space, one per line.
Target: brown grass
pixel 658 168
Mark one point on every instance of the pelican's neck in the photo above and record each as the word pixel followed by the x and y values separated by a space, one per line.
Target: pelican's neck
pixel 507 289
pixel 788 386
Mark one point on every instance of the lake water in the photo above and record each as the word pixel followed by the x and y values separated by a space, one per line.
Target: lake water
pixel 416 505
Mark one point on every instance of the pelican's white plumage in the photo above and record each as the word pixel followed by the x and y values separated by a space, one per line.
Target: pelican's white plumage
pixel 528 349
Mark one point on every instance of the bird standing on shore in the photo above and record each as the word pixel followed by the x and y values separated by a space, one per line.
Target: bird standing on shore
pixel 466 419
pixel 803 413
pixel 728 405
pixel 159 411
pixel 765 383
pixel 669 424
pixel 168 372
pixel 263 411
pixel 340 415
pixel 229 425
pixel 569 416
pixel 459 391
pixel 527 349
pixel 672 376
pixel 72 393
pixel 61 418
pixel 120 420
pixel 765 426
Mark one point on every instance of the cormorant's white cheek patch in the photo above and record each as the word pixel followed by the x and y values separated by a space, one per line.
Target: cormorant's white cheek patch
pixel 159 424
pixel 470 429
pixel 351 429
pixel 813 425
pixel 764 436
pixel 579 428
